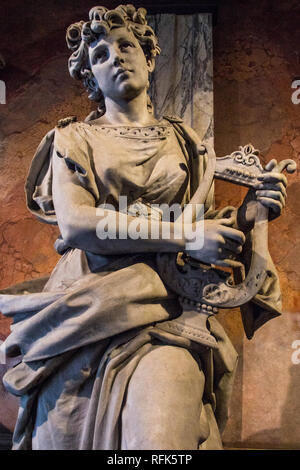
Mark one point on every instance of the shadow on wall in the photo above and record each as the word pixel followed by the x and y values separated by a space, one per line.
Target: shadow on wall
pixel 5 438
pixel 271 417
pixel 281 382
pixel 288 434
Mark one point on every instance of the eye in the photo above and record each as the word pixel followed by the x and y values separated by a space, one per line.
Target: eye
pixel 100 56
pixel 125 45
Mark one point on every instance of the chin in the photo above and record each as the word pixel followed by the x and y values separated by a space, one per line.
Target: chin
pixel 128 90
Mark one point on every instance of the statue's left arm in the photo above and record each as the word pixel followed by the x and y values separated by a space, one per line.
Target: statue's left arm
pixel 267 195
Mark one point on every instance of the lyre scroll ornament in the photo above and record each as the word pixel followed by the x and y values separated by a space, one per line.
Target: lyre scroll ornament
pixel 203 288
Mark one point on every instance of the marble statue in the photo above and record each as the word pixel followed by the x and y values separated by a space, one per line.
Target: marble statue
pixel 121 348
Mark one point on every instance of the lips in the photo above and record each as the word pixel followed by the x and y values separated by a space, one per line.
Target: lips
pixel 120 71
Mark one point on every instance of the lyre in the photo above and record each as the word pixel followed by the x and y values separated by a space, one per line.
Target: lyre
pixel 202 288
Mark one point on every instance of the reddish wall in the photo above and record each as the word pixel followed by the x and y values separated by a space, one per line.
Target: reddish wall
pixel 256 58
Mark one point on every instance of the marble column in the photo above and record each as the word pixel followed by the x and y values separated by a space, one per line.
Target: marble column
pixel 182 83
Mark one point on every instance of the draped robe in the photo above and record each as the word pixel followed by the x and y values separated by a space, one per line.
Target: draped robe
pixel 83 335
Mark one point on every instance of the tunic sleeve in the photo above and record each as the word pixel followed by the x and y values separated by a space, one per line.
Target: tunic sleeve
pixel 69 144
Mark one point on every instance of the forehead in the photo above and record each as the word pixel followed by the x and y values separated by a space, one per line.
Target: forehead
pixel 114 35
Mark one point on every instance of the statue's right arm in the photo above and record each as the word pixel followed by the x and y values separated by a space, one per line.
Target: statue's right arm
pixel 78 220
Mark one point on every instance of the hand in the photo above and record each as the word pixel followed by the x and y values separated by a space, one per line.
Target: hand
pixel 271 190
pixel 221 243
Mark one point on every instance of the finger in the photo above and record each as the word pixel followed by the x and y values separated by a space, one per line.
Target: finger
pixel 272 186
pixel 228 221
pixel 228 263
pixel 233 234
pixel 232 247
pixel 271 204
pixel 272 195
pixel 224 253
pixel 270 165
pixel 273 178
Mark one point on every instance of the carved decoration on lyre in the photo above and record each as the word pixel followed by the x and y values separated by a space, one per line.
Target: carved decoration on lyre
pixel 243 166
pixel 203 288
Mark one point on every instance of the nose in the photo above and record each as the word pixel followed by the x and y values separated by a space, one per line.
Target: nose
pixel 117 58
pixel 116 61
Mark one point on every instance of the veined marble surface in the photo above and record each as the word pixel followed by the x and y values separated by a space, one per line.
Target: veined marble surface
pixel 182 83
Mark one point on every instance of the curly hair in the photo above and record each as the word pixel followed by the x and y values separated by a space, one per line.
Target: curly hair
pixel 101 22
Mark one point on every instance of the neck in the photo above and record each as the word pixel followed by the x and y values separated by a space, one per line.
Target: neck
pixel 131 112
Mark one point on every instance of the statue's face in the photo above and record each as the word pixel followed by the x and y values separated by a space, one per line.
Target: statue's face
pixel 119 65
